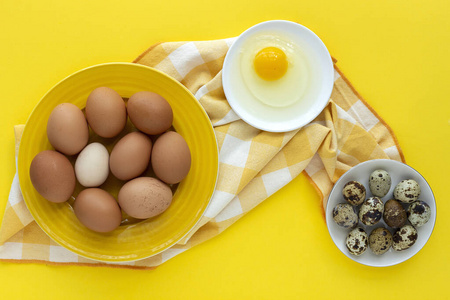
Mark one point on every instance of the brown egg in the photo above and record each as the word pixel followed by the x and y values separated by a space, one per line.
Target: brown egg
pixel 394 214
pixel 130 156
pixel 52 176
pixel 150 112
pixel 106 112
pixel 67 129
pixel 171 157
pixel 144 197
pixel 97 210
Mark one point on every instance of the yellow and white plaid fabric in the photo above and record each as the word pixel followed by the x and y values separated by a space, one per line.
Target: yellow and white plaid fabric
pixel 253 164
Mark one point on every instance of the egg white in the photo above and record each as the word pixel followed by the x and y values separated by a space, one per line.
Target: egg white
pixel 290 87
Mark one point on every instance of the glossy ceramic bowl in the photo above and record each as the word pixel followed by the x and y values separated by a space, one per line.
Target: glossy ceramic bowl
pixel 318 71
pixel 398 172
pixel 132 240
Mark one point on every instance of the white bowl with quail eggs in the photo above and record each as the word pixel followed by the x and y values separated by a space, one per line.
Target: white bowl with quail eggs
pixel 381 212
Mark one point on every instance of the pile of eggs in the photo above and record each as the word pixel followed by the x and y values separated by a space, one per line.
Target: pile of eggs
pixel 149 144
pixel 396 213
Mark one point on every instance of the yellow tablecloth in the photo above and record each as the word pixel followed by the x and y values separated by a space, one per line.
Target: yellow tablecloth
pixel 253 164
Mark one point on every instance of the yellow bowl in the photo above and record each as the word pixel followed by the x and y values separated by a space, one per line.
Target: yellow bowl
pixel 133 241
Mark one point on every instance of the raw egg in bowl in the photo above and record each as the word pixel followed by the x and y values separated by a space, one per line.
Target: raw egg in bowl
pixel 278 76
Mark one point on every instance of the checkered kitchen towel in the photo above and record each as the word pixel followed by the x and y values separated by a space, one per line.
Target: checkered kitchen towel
pixel 253 164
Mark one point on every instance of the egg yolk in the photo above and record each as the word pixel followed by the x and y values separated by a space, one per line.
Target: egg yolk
pixel 270 63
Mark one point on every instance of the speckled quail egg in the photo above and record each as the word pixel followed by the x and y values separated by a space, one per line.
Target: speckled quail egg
pixel 407 191
pixel 419 213
pixel 354 192
pixel 394 214
pixel 379 183
pixel 404 238
pixel 357 241
pixel 345 215
pixel 371 211
pixel 380 240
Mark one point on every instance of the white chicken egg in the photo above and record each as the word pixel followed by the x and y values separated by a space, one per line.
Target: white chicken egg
pixel 274 69
pixel 92 165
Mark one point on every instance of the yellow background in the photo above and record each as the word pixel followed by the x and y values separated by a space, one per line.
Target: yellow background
pixel 394 52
